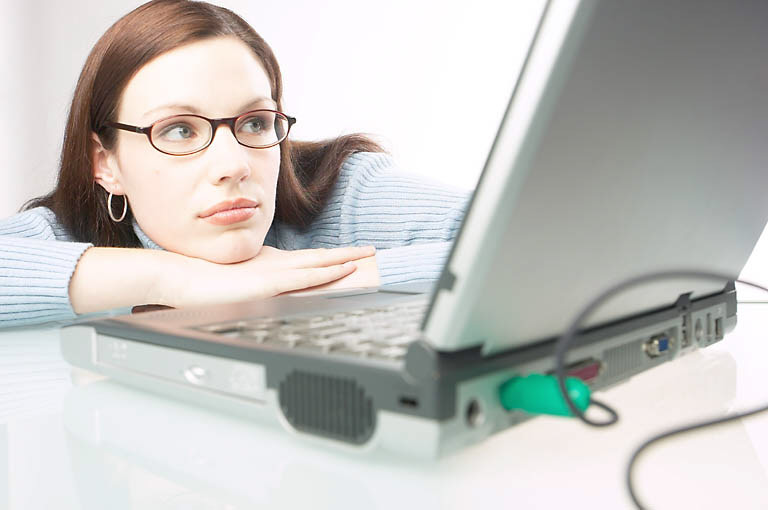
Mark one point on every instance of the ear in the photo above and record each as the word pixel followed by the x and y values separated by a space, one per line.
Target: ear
pixel 106 171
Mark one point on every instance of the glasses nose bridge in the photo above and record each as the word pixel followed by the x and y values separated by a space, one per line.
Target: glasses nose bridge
pixel 215 123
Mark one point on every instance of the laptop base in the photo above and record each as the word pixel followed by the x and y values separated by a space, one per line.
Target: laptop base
pixel 426 405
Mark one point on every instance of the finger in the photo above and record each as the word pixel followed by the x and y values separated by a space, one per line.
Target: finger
pixel 325 257
pixel 298 279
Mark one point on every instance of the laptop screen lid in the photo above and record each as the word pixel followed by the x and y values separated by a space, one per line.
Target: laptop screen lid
pixel 633 142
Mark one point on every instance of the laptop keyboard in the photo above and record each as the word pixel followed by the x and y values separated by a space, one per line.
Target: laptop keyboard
pixel 377 332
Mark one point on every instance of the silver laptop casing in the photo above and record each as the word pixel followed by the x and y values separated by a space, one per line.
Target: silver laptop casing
pixel 634 142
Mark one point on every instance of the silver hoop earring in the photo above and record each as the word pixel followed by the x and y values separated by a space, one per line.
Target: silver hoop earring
pixel 109 208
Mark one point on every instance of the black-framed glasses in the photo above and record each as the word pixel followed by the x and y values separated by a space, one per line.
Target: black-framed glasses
pixel 180 135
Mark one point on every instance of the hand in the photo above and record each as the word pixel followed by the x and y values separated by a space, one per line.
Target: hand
pixel 271 272
pixel 366 275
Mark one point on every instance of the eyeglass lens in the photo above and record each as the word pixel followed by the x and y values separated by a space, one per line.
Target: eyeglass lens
pixel 183 134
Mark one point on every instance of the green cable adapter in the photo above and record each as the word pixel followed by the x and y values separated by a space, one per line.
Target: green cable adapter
pixel 540 394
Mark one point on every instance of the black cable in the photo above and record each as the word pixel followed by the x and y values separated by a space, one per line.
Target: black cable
pixel 564 342
pixel 674 432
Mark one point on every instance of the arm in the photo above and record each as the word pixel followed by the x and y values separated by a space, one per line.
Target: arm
pixel 44 277
pixel 34 275
pixel 410 220
pixel 35 267
pixel 108 278
pixel 168 278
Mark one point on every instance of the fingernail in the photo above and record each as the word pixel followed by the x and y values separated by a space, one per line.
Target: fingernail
pixel 347 265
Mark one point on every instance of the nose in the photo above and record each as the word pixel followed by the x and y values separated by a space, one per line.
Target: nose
pixel 229 162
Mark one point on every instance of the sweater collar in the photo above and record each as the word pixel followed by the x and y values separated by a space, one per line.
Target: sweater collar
pixel 146 242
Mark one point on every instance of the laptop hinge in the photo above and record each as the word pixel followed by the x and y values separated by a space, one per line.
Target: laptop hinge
pixel 447 280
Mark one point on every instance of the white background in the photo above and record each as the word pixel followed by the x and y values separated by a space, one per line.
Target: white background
pixel 430 79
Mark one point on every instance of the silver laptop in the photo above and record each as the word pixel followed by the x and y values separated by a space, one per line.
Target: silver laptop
pixel 634 141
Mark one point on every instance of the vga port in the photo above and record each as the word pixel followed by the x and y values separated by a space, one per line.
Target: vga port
pixel 657 345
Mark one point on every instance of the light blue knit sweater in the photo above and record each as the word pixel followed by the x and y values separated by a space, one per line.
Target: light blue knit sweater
pixel 411 222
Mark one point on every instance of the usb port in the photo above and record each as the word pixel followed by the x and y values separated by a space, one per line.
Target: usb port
pixel 719 328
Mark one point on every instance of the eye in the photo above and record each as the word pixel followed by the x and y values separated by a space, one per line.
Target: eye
pixel 178 131
pixel 256 124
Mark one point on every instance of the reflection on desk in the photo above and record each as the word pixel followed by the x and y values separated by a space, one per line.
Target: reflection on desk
pixel 108 446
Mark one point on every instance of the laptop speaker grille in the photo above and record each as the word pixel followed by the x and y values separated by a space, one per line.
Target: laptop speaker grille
pixel 329 406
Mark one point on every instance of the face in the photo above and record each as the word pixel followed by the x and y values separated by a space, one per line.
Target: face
pixel 172 197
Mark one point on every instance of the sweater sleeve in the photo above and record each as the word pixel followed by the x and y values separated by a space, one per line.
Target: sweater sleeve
pixel 411 221
pixel 37 260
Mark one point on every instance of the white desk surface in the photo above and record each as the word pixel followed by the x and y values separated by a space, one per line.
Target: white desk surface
pixel 97 445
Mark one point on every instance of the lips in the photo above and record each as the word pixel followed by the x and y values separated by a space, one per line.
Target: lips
pixel 227 205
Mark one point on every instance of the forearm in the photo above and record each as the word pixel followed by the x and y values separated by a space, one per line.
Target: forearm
pixel 414 263
pixel 107 278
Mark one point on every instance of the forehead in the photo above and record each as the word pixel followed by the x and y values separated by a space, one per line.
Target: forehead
pixel 214 76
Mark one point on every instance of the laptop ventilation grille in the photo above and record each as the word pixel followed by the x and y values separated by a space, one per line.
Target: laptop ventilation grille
pixel 329 406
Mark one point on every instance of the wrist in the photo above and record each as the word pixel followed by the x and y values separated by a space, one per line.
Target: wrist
pixel 167 278
pixel 108 278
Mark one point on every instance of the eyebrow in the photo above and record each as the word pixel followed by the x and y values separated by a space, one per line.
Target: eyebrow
pixel 193 109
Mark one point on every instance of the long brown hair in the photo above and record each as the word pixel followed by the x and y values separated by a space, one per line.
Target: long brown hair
pixel 308 170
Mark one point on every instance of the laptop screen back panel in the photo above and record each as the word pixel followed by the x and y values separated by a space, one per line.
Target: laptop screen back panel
pixel 634 142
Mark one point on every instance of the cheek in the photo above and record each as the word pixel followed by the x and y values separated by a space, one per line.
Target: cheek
pixel 274 163
pixel 266 169
pixel 157 194
pixel 154 188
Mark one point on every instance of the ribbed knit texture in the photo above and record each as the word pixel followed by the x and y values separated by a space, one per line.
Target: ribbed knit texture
pixel 411 222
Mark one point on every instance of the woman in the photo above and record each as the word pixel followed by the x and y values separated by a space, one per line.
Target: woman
pixel 176 141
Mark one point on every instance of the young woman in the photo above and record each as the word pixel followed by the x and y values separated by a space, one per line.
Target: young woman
pixel 179 186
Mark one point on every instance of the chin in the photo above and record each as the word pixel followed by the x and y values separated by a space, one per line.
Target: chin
pixel 229 247
pixel 231 255
pixel 231 251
